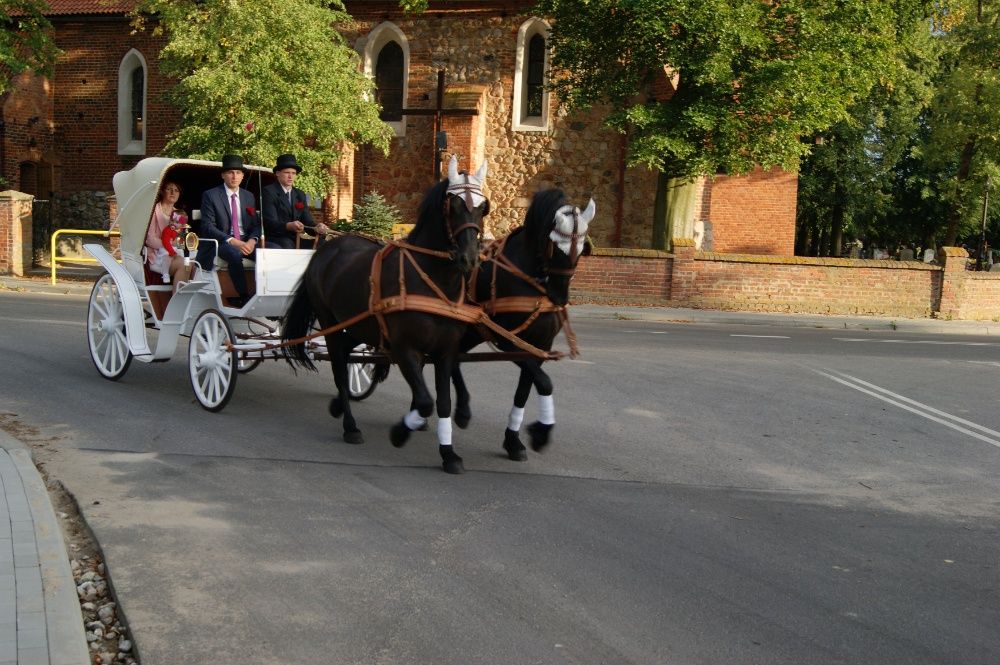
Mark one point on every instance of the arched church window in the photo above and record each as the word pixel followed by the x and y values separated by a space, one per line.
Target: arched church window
pixel 132 120
pixel 536 76
pixel 389 82
pixel 386 56
pixel 530 97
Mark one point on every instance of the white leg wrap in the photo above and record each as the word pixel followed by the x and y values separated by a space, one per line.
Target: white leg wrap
pixel 546 410
pixel 414 420
pixel 515 419
pixel 444 431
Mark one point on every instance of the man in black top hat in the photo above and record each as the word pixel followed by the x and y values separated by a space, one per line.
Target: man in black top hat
pixel 229 216
pixel 286 208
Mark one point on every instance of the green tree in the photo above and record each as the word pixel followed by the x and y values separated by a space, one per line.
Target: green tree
pixel 25 40
pixel 263 78
pixel 849 183
pixel 755 76
pixel 964 141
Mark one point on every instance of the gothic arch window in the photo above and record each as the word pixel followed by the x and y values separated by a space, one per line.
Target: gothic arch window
pixel 531 98
pixel 387 61
pixel 132 120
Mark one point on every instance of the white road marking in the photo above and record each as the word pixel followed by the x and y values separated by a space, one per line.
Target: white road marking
pixel 923 410
pixel 984 362
pixel 52 322
pixel 647 332
pixel 915 341
pixel 764 336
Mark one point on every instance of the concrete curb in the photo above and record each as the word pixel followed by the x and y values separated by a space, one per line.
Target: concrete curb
pixel 49 625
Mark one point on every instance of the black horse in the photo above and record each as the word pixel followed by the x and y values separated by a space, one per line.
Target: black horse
pixel 434 261
pixel 536 261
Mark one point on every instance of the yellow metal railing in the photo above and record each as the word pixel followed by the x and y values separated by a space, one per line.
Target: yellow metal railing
pixel 76 232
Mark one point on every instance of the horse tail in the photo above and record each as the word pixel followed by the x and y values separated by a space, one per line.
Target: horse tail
pixel 297 322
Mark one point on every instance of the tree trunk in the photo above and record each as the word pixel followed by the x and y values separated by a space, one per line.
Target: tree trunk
pixel 964 167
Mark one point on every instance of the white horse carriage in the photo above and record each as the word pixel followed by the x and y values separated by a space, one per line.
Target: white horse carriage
pixel 133 314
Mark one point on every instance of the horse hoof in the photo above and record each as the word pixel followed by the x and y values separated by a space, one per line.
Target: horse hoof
pixel 512 444
pixel 451 462
pixel 462 418
pixel 398 434
pixel 336 408
pixel 354 437
pixel 540 434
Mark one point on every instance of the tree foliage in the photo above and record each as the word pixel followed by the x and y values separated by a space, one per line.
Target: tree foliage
pixel 755 76
pixel 910 165
pixel 25 40
pixel 263 78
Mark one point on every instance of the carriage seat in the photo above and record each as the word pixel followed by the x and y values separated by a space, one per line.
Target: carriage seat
pixel 221 263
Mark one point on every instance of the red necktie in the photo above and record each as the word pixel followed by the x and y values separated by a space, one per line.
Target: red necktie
pixel 234 200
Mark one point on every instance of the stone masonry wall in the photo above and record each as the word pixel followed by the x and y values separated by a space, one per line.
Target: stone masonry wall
pixel 577 153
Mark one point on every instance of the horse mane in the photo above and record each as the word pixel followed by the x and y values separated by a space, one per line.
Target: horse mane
pixel 431 209
pixel 541 216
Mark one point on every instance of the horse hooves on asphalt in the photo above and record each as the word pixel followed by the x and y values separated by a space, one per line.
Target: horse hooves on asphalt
pixel 451 462
pixel 540 434
pixel 336 408
pixel 399 434
pixel 354 437
pixel 512 444
pixel 462 417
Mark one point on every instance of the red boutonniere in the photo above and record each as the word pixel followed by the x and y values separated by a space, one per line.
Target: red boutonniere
pixel 299 205
pixel 251 211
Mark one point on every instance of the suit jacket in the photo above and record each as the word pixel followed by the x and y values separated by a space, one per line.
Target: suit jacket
pixel 278 211
pixel 215 215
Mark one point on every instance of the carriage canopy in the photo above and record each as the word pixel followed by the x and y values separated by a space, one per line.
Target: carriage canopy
pixel 136 190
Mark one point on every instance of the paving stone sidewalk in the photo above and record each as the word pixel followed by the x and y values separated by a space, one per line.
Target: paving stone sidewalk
pixel 40 620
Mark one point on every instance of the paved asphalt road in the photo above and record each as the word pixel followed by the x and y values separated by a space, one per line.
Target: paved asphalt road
pixel 715 494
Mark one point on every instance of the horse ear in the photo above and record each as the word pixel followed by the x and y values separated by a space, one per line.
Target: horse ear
pixel 453 169
pixel 589 212
pixel 481 173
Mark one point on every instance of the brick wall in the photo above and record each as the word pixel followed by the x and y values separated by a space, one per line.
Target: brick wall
pixel 622 276
pixel 85 102
pixel 746 282
pixel 753 214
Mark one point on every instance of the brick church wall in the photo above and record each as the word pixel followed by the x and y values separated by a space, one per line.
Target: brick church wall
pixel 753 214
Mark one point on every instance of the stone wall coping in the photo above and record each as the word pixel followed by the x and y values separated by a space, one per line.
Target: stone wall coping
pixel 14 195
pixel 953 251
pixel 814 261
pixel 983 275
pixel 631 253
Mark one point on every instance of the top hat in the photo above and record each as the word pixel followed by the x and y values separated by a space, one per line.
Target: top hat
pixel 230 162
pixel 287 161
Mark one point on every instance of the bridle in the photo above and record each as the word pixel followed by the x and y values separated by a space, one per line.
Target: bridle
pixel 574 254
pixel 464 191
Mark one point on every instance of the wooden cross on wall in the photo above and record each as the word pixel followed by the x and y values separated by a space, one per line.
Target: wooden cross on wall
pixel 439 112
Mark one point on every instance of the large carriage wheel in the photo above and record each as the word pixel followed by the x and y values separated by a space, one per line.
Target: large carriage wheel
pixel 211 363
pixel 247 365
pixel 106 329
pixel 362 378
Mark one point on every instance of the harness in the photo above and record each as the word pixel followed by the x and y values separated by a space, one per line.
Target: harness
pixel 533 306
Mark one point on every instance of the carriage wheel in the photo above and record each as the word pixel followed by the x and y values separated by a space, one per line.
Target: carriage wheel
pixel 362 378
pixel 212 365
pixel 106 329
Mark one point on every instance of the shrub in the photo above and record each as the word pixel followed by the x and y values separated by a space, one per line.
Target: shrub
pixel 374 216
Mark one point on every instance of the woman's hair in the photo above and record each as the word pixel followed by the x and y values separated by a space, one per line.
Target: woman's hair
pixel 164 185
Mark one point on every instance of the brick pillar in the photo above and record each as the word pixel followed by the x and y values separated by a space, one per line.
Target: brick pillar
pixel 682 277
pixel 15 232
pixel 340 201
pixel 466 134
pixel 953 260
pixel 114 241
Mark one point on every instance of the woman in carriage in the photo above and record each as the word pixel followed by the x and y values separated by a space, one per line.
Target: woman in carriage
pixel 160 255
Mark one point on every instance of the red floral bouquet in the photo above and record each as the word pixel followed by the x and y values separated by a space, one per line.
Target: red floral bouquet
pixel 251 211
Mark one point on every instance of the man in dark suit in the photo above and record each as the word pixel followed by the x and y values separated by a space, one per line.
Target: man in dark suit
pixel 229 216
pixel 286 208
